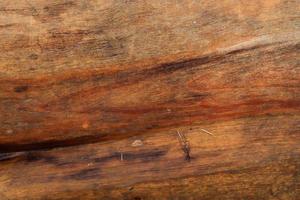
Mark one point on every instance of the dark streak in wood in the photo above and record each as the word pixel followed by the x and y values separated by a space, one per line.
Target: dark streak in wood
pixel 20 89
pixel 83 174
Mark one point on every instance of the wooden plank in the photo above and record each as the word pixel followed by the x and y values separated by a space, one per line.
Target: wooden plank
pixel 93 94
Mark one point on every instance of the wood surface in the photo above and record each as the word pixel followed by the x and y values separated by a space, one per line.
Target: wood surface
pixel 132 99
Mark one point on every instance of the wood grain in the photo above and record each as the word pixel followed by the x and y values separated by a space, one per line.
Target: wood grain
pixel 266 148
pixel 92 94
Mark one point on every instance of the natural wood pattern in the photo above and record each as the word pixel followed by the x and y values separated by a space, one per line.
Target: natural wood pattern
pixel 264 145
pixel 92 94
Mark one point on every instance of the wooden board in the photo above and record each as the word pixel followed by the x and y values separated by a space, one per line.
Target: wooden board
pixel 149 99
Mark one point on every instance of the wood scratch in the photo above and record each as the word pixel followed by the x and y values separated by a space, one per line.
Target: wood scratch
pixel 184 145
pixel 209 133
pixel 121 156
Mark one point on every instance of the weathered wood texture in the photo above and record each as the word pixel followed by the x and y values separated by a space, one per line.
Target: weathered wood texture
pixel 92 94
